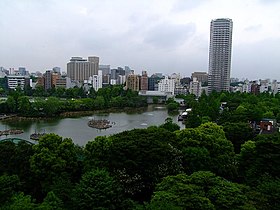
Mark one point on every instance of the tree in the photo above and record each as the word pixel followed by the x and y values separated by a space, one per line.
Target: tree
pixel 51 106
pixel 138 158
pixel 97 190
pixel 24 106
pixel 39 91
pixel 206 148
pixel 97 153
pixel 269 188
pixel 201 190
pixel 12 105
pixel 21 202
pixel 173 106
pixel 238 134
pixel 99 102
pixel 259 157
pixel 169 125
pixel 92 93
pixel 54 157
pixel 9 185
pixel 51 202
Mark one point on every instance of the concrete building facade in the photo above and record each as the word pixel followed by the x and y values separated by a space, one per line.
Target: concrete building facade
pixel 144 81
pixel 166 85
pixel 195 87
pixel 132 82
pixel 220 54
pixel 79 69
pixel 18 81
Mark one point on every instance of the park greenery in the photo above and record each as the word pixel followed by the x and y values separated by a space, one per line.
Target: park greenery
pixel 217 162
pixel 41 103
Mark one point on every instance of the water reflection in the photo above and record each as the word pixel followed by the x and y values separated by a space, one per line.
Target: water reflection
pixel 78 130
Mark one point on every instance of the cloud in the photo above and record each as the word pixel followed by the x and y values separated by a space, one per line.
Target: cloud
pixel 269 1
pixel 254 27
pixel 169 36
pixel 259 59
pixel 183 5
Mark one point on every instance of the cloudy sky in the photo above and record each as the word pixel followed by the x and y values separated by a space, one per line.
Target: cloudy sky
pixel 155 35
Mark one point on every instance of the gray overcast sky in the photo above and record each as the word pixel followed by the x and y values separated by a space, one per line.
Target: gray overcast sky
pixel 155 35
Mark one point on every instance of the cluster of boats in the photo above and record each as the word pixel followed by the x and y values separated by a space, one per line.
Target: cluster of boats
pixel 11 132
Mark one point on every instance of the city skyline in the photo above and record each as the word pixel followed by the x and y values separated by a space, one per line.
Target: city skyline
pixel 169 37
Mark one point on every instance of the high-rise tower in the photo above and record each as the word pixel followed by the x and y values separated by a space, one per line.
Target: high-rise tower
pixel 220 54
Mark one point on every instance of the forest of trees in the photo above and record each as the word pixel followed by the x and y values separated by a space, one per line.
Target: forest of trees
pixel 216 162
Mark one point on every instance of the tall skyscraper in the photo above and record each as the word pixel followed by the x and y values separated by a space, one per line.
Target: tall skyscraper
pixel 220 54
pixel 79 69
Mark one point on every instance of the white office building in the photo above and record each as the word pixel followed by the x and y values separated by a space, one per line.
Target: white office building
pixel 195 87
pixel 18 81
pixel 166 85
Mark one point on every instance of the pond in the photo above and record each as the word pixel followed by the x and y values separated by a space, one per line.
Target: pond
pixel 78 130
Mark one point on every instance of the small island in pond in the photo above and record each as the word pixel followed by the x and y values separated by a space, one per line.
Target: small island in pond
pixel 100 124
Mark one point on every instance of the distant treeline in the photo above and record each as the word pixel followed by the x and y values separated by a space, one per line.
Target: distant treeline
pixel 39 103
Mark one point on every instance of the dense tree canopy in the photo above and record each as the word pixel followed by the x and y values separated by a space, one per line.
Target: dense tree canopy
pixel 138 158
pixel 39 102
pixel 200 190
pixel 206 148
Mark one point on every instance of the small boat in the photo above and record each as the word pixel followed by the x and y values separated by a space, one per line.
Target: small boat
pixel 36 136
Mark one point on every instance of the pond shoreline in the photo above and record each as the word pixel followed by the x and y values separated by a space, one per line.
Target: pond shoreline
pixel 75 114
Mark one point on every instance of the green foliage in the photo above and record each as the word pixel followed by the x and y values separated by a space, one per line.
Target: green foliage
pixel 50 103
pixel 12 104
pixel 201 190
pixel 173 106
pixel 20 202
pixel 132 163
pixel 169 125
pixel 97 153
pixel 14 159
pixel 51 106
pixel 259 158
pixel 53 157
pixel 9 185
pixel 270 191
pixel 24 106
pixel 51 202
pixel 238 134
pixel 138 158
pixel 97 190
pixel 206 148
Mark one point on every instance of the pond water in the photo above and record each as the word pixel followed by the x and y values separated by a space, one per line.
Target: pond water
pixel 78 130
